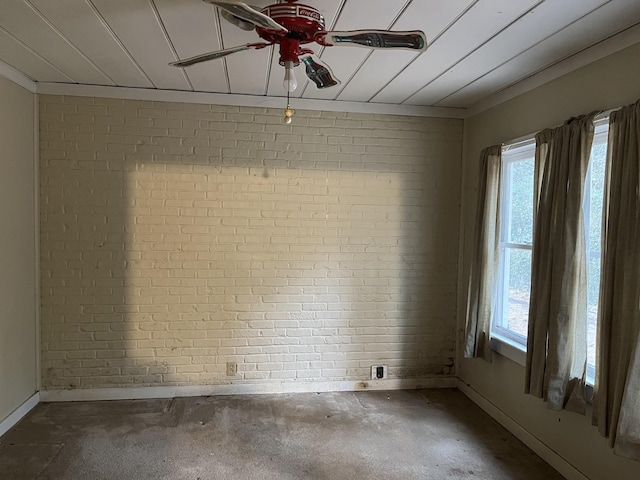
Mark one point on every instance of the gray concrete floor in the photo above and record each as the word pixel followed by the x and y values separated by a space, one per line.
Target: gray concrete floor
pixel 418 434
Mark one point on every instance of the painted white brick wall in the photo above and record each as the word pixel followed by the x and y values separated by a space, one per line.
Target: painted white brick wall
pixel 178 237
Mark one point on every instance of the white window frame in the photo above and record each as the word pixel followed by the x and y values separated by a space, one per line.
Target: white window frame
pixel 509 343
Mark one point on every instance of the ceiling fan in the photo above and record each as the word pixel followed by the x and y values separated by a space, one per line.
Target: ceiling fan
pixel 291 25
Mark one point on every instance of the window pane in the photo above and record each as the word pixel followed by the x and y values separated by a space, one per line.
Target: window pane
pixel 520 202
pixel 593 216
pixel 518 263
pixel 593 286
pixel 596 183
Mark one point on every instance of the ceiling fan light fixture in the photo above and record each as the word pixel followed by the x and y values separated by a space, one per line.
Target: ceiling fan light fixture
pixel 290 82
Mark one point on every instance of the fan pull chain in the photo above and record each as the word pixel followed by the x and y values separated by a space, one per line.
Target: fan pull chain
pixel 288 113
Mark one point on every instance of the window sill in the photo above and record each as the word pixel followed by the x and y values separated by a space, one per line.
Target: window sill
pixel 508 348
pixel 517 353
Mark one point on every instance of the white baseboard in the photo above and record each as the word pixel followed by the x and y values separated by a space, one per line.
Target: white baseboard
pixel 137 393
pixel 19 413
pixel 540 448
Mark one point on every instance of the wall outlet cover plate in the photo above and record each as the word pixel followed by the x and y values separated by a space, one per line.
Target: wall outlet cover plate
pixel 378 372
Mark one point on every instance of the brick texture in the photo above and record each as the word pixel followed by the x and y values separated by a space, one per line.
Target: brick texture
pixel 178 237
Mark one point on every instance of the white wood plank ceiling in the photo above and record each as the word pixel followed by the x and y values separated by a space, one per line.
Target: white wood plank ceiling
pixel 476 47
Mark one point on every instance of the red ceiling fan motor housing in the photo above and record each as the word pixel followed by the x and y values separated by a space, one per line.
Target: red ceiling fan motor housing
pixel 303 22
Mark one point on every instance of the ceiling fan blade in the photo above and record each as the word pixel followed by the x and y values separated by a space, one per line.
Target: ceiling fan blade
pixel 217 54
pixel 245 12
pixel 408 40
pixel 319 72
pixel 237 21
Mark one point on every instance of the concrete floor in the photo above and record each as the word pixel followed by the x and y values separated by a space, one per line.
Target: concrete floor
pixel 423 434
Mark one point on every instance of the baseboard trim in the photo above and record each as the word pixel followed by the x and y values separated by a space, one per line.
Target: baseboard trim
pixel 551 457
pixel 19 413
pixel 139 393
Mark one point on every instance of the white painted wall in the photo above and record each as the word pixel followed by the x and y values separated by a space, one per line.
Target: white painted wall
pixel 609 83
pixel 18 343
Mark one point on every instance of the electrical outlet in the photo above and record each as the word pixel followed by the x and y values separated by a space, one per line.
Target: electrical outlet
pixel 378 372
pixel 232 369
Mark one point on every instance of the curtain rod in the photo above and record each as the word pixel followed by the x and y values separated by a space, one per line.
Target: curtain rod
pixel 605 113
pixel 520 141
pixel 524 139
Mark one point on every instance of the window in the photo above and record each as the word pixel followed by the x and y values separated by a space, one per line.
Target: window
pixel 516 236
pixel 592 209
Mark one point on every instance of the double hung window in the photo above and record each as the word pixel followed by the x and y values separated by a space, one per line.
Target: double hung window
pixel 510 322
pixel 516 238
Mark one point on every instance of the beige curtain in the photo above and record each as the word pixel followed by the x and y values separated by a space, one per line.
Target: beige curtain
pixel 617 390
pixel 484 263
pixel 557 336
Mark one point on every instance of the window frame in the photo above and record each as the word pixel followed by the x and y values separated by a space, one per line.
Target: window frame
pixel 511 154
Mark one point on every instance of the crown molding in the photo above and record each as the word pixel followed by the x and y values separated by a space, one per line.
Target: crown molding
pixel 244 100
pixel 16 76
pixel 604 48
